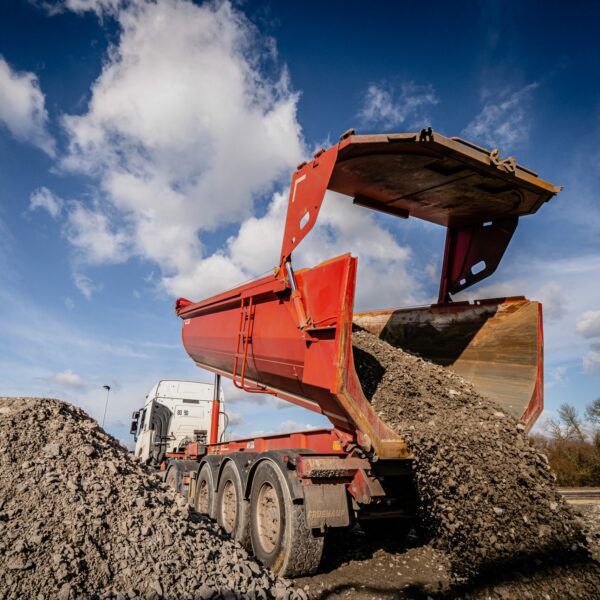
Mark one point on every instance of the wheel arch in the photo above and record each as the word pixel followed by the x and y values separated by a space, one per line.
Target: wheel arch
pixel 214 467
pixel 247 463
pixel 278 459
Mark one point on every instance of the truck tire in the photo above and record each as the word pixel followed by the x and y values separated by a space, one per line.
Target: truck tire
pixel 172 477
pixel 280 538
pixel 231 507
pixel 204 501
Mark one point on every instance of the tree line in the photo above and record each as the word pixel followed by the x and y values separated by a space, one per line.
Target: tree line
pixel 571 441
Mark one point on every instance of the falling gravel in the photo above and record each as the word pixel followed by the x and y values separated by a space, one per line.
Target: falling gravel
pixel 79 518
pixel 486 496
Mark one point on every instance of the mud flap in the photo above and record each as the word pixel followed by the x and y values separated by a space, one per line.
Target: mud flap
pixel 326 506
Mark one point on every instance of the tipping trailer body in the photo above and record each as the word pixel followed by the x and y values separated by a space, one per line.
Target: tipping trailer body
pixel 289 334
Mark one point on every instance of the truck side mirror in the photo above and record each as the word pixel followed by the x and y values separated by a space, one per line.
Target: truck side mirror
pixel 133 428
pixel 135 415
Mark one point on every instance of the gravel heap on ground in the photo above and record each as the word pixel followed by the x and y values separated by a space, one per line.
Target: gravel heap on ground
pixel 486 496
pixel 589 516
pixel 378 566
pixel 80 518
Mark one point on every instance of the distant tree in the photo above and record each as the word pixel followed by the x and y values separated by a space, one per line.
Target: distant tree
pixel 573 427
pixel 592 413
pixel 554 428
pixel 572 445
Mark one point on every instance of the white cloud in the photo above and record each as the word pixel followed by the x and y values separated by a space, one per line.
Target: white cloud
pixel 69 303
pixel 69 379
pixel 288 426
pixel 85 285
pixel 208 276
pixel 503 121
pixel 549 293
pixel 90 233
pixel 22 108
pixel 341 227
pixel 235 418
pixel 553 299
pixel 184 130
pixel 291 425
pixel 591 360
pixel 88 230
pixel 588 324
pixel 181 152
pixel 99 7
pixel 43 198
pixel 556 377
pixel 383 106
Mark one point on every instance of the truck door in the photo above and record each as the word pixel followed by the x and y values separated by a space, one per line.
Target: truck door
pixel 142 446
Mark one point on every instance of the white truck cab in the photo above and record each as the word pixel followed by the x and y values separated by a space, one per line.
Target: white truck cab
pixel 175 413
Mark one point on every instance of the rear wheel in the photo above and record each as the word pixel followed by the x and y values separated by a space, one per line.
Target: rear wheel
pixel 172 478
pixel 205 495
pixel 232 508
pixel 280 538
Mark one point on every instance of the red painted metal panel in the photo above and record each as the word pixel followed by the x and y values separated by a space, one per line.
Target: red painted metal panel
pixel 281 357
pixel 325 441
pixel 471 245
pixel 308 187
pixel 536 406
pixel 312 367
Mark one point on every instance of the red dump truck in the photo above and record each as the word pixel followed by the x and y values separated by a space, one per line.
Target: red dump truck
pixel 290 335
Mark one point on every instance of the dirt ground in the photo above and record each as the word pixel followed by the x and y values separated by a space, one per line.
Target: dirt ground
pixel 365 566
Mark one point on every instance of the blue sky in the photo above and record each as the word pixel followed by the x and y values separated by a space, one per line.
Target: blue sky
pixel 145 147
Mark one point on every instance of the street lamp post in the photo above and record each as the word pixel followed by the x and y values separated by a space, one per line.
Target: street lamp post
pixel 107 388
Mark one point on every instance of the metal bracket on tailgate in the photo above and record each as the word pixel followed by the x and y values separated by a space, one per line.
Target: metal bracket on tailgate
pixel 473 253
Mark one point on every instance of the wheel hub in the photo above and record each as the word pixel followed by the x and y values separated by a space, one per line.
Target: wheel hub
pixel 229 507
pixel 268 517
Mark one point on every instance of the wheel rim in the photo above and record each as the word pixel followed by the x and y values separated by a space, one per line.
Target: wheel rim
pixel 229 506
pixel 203 497
pixel 268 517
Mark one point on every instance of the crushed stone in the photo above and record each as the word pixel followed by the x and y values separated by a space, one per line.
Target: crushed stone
pixel 486 496
pixel 80 518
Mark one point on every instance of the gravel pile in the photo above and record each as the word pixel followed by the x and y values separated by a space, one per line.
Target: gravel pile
pixel 79 518
pixel 370 566
pixel 486 496
pixel 589 516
